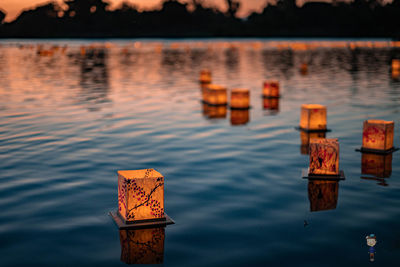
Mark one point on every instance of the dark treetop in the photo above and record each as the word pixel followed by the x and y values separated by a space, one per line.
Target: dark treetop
pixel 92 18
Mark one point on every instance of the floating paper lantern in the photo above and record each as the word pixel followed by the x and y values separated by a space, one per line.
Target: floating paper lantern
pixel 216 95
pixel 271 104
pixel 304 68
pixel 142 246
pixel 376 164
pixel 313 117
pixel 396 64
pixel 239 117
pixel 205 76
pixel 305 140
pixel 378 135
pixel 324 157
pixel 271 89
pixel 323 195
pixel 140 195
pixel 240 98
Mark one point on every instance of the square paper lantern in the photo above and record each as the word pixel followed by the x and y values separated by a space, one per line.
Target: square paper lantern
pixel 323 195
pixel 143 246
pixel 324 157
pixel 376 164
pixel 240 98
pixel 305 140
pixel 271 89
pixel 205 76
pixel 140 195
pixel 239 117
pixel 378 135
pixel 396 64
pixel 216 95
pixel 313 117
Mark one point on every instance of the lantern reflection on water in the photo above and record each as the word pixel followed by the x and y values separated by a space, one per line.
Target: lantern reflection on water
pixel 142 246
pixel 240 98
pixel 305 140
pixel 323 195
pixel 324 157
pixel 239 117
pixel 140 195
pixel 378 135
pixel 313 117
pixel 271 104
pixel 214 112
pixel 205 76
pixel 271 89
pixel 377 165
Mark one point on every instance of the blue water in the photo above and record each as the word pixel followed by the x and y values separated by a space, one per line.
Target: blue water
pixel 69 122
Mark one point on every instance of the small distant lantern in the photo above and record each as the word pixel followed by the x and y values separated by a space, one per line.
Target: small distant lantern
pixel 142 246
pixel 378 135
pixel 313 117
pixel 304 68
pixel 83 50
pixel 395 74
pixel 271 104
pixel 239 117
pixel 240 98
pixel 271 89
pixel 378 165
pixel 324 157
pixel 323 194
pixel 205 76
pixel 396 64
pixel 140 199
pixel 216 95
pixel 305 140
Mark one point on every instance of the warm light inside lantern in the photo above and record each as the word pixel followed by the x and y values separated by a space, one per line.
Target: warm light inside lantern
pixel 304 68
pixel 376 165
pixel 240 98
pixel 324 157
pixel 313 117
pixel 205 76
pixel 378 135
pixel 323 195
pixel 216 95
pixel 396 64
pixel 239 117
pixel 305 140
pixel 142 246
pixel 140 195
pixel 271 89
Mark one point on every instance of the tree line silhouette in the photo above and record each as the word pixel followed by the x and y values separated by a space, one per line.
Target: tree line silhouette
pixel 93 19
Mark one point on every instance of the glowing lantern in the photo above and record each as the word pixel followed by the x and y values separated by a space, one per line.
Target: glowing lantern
pixel 324 157
pixel 304 68
pixel 140 195
pixel 216 95
pixel 205 76
pixel 376 164
pixel 323 195
pixel 142 246
pixel 240 99
pixel 271 89
pixel 378 135
pixel 305 140
pixel 313 117
pixel 396 64
pixel 239 117
pixel 83 50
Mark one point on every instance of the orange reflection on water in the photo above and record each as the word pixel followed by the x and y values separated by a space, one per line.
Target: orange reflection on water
pixel 323 195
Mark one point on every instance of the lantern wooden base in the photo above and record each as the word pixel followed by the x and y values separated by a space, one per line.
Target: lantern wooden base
pixel 271 97
pixel 375 151
pixel 298 128
pixel 232 108
pixel 306 175
pixel 140 224
pixel 214 105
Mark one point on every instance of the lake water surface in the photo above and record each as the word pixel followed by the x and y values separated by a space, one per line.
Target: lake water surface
pixel 68 122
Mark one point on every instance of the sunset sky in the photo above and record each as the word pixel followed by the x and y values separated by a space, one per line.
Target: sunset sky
pixel 14 7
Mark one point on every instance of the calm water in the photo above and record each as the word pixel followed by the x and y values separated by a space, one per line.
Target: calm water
pixel 69 122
